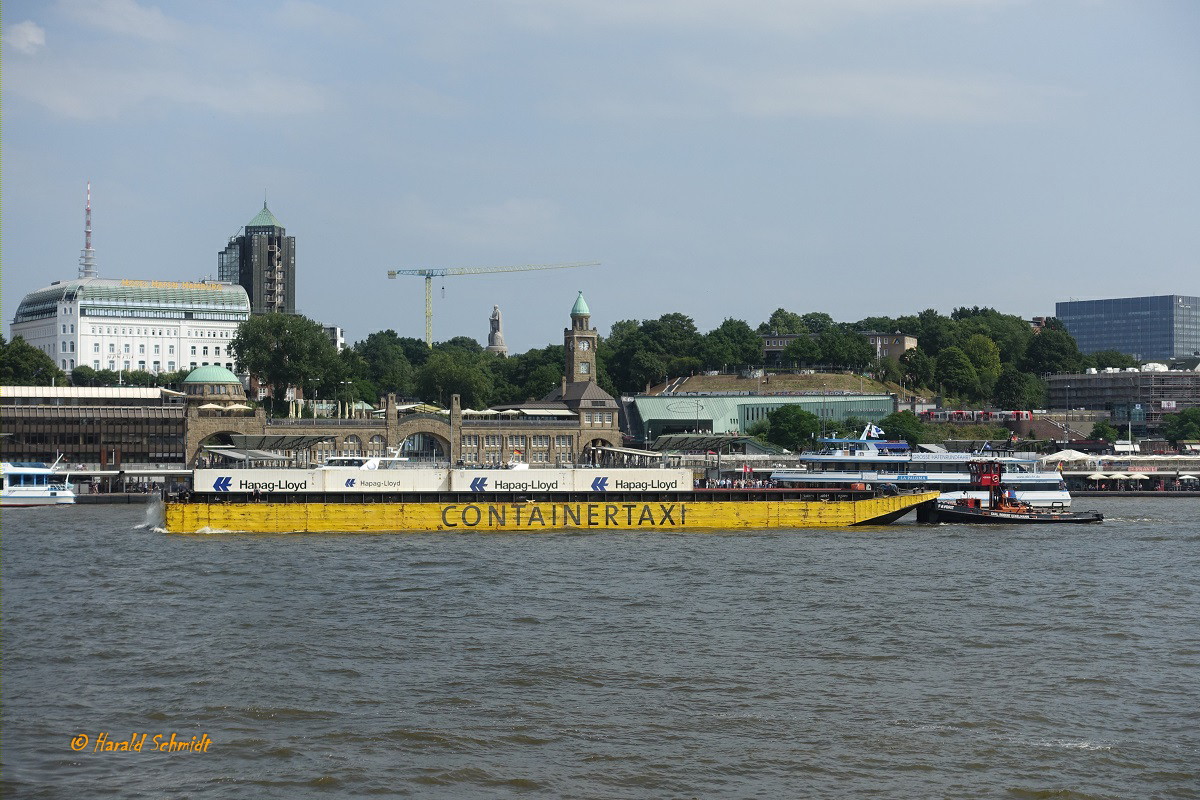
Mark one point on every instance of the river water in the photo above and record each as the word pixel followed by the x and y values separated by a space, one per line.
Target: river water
pixel 908 661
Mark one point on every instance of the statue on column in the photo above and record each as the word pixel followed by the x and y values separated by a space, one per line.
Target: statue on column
pixel 496 336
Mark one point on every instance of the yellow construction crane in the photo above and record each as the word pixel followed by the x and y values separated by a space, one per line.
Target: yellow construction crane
pixel 441 272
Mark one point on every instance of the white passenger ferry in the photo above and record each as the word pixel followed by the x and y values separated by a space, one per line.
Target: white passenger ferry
pixel 850 462
pixel 25 483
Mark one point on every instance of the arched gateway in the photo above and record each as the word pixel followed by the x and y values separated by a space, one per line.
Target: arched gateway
pixel 566 426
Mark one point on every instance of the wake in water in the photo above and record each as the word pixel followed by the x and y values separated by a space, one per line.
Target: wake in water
pixel 155 518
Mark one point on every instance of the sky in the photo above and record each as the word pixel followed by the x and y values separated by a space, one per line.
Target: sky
pixel 719 159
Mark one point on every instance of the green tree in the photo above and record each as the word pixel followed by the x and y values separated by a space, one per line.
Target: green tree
pixel 1183 426
pixel 1018 391
pixel 918 367
pixel 22 364
pixel 817 322
pixel 1053 350
pixel 530 375
pixel 956 374
pixel 792 427
pixel 881 324
pixel 783 321
pixel 936 332
pixel 1106 359
pixel 464 343
pixel 903 425
pixel 84 375
pixel 386 363
pixel 731 343
pixel 887 370
pixel 1010 333
pixel 802 350
pixel 673 335
pixel 286 350
pixel 453 371
pixel 842 349
pixel 1104 431
pixel 985 357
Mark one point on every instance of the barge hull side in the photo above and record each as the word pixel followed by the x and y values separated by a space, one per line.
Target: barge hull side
pixel 267 517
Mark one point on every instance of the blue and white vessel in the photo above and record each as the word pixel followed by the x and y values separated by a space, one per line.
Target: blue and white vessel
pixel 25 483
pixel 841 463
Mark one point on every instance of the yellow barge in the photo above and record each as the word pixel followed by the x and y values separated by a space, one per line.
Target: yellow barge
pixel 378 497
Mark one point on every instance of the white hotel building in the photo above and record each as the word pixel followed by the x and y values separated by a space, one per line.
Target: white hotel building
pixel 155 326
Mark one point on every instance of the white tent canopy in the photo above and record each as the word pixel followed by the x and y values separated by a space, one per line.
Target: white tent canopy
pixel 1067 455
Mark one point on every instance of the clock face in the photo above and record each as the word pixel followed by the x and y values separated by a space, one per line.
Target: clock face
pixel 584 344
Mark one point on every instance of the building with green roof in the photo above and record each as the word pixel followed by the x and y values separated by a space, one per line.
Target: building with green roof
pixel 262 260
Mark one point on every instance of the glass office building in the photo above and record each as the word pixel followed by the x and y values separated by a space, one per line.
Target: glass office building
pixel 1147 328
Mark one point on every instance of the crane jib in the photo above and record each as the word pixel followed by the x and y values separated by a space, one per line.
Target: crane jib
pixel 429 273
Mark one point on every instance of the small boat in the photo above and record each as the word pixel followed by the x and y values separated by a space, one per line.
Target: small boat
pixel 1003 507
pixel 26 483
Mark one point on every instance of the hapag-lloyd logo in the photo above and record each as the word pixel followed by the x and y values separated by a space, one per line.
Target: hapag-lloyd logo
pixel 531 485
pixel 645 486
pixel 273 486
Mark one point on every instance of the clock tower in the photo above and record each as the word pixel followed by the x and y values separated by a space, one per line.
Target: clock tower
pixel 580 343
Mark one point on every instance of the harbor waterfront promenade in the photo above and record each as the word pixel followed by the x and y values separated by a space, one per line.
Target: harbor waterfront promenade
pixel 903 661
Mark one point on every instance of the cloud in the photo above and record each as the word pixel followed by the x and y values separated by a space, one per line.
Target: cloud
pixel 158 62
pixel 515 222
pixel 695 91
pixel 796 16
pixel 307 15
pixel 80 92
pixel 928 97
pixel 25 37
pixel 127 18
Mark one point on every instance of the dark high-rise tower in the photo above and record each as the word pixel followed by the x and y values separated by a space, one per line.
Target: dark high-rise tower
pixel 262 261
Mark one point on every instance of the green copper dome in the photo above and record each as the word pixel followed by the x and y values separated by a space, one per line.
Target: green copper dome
pixel 265 219
pixel 580 308
pixel 211 374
